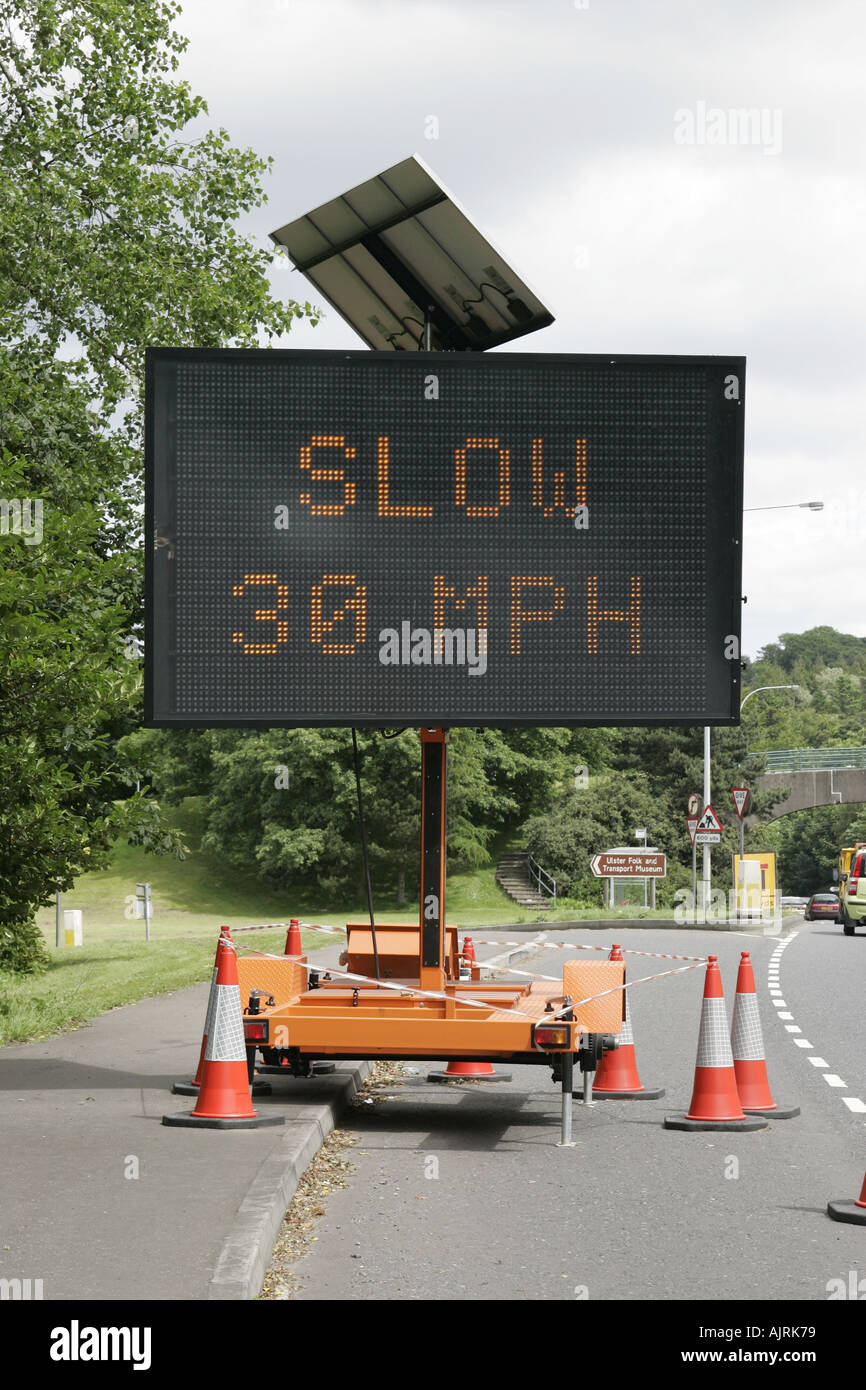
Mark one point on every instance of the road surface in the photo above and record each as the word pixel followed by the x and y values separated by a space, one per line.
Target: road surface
pixel 462 1192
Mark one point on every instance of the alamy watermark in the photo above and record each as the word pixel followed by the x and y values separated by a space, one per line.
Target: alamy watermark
pixel 760 126
pixel 20 1290
pixel 444 646
pixel 22 517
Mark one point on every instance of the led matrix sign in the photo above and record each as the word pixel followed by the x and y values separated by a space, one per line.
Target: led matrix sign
pixel 442 539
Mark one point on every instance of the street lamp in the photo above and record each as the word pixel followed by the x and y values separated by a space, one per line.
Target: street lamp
pixel 758 688
pixel 757 691
pixel 783 506
pixel 707 872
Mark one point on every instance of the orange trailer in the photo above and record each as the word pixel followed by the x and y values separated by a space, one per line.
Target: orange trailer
pixel 417 1008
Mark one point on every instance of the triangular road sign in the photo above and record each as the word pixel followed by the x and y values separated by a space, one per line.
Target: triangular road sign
pixel 741 796
pixel 709 821
pixel 692 823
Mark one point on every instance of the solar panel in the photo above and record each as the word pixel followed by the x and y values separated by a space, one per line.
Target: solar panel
pixel 398 252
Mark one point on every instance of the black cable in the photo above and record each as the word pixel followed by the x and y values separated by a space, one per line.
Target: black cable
pixel 364 850
pixel 487 285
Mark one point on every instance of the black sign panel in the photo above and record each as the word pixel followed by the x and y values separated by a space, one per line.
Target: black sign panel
pixel 442 538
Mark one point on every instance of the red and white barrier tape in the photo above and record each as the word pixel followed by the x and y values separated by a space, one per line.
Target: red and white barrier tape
pixel 581 946
pixel 284 926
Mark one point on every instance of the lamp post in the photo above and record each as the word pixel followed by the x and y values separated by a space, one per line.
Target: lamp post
pixel 757 691
pixel 784 506
pixel 758 688
pixel 707 872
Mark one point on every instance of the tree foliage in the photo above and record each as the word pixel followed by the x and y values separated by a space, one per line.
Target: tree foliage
pixel 116 232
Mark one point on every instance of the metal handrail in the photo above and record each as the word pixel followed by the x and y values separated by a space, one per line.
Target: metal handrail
pixel 814 759
pixel 542 878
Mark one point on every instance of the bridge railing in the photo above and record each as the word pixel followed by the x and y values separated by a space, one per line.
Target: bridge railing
pixel 814 759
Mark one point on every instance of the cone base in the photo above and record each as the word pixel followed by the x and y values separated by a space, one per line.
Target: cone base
pixel 683 1122
pixel 437 1077
pixel 189 1088
pixel 774 1112
pixel 847 1211
pixel 187 1120
pixel 645 1093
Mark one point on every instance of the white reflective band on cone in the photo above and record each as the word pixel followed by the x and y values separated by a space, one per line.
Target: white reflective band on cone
pixel 747 1044
pixel 225 1041
pixel 626 1037
pixel 714 1045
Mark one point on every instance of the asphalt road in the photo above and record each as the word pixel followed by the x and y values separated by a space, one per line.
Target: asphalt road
pixel 462 1192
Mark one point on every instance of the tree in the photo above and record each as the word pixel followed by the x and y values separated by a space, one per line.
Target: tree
pixel 115 232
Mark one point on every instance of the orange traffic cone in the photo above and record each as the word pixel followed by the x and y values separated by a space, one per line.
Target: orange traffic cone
pixel 293 939
pixel 224 1095
pixel 617 1076
pixel 747 1046
pixel 191 1088
pixel 852 1212
pixel 470 958
pixel 472 1071
pixel 715 1103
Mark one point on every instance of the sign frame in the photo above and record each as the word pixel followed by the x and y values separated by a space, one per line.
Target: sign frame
pixel 161 713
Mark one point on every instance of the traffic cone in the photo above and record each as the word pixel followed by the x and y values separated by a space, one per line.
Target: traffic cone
pixel 471 1071
pixel 854 1212
pixel 224 1095
pixel 617 1076
pixel 747 1046
pixel 191 1088
pixel 715 1102
pixel 470 958
pixel 293 939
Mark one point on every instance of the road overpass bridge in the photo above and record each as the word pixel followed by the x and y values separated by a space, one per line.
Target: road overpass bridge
pixel 806 777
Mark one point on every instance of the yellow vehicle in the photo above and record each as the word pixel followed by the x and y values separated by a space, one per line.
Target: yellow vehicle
pixel 852 886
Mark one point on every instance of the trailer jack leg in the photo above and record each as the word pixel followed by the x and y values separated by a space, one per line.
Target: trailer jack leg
pixel 567 1067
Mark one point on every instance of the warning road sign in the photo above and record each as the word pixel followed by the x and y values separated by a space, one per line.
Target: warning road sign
pixel 709 821
pixel 741 796
pixel 692 823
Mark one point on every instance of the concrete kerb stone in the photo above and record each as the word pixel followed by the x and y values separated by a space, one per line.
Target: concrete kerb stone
pixel 246 1252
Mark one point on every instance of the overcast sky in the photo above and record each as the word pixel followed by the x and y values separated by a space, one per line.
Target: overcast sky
pixel 593 142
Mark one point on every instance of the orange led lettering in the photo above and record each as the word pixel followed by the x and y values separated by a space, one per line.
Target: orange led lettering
pixel 460 470
pixel 355 604
pixel 327 475
pixel 596 615
pixel 443 592
pixel 521 615
pixel 386 506
pixel 264 615
pixel 560 498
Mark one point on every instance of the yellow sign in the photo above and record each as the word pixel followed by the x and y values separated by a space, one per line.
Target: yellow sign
pixel 755 882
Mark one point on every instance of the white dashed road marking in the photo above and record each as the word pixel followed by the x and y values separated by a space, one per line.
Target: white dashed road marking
pixel 854 1104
